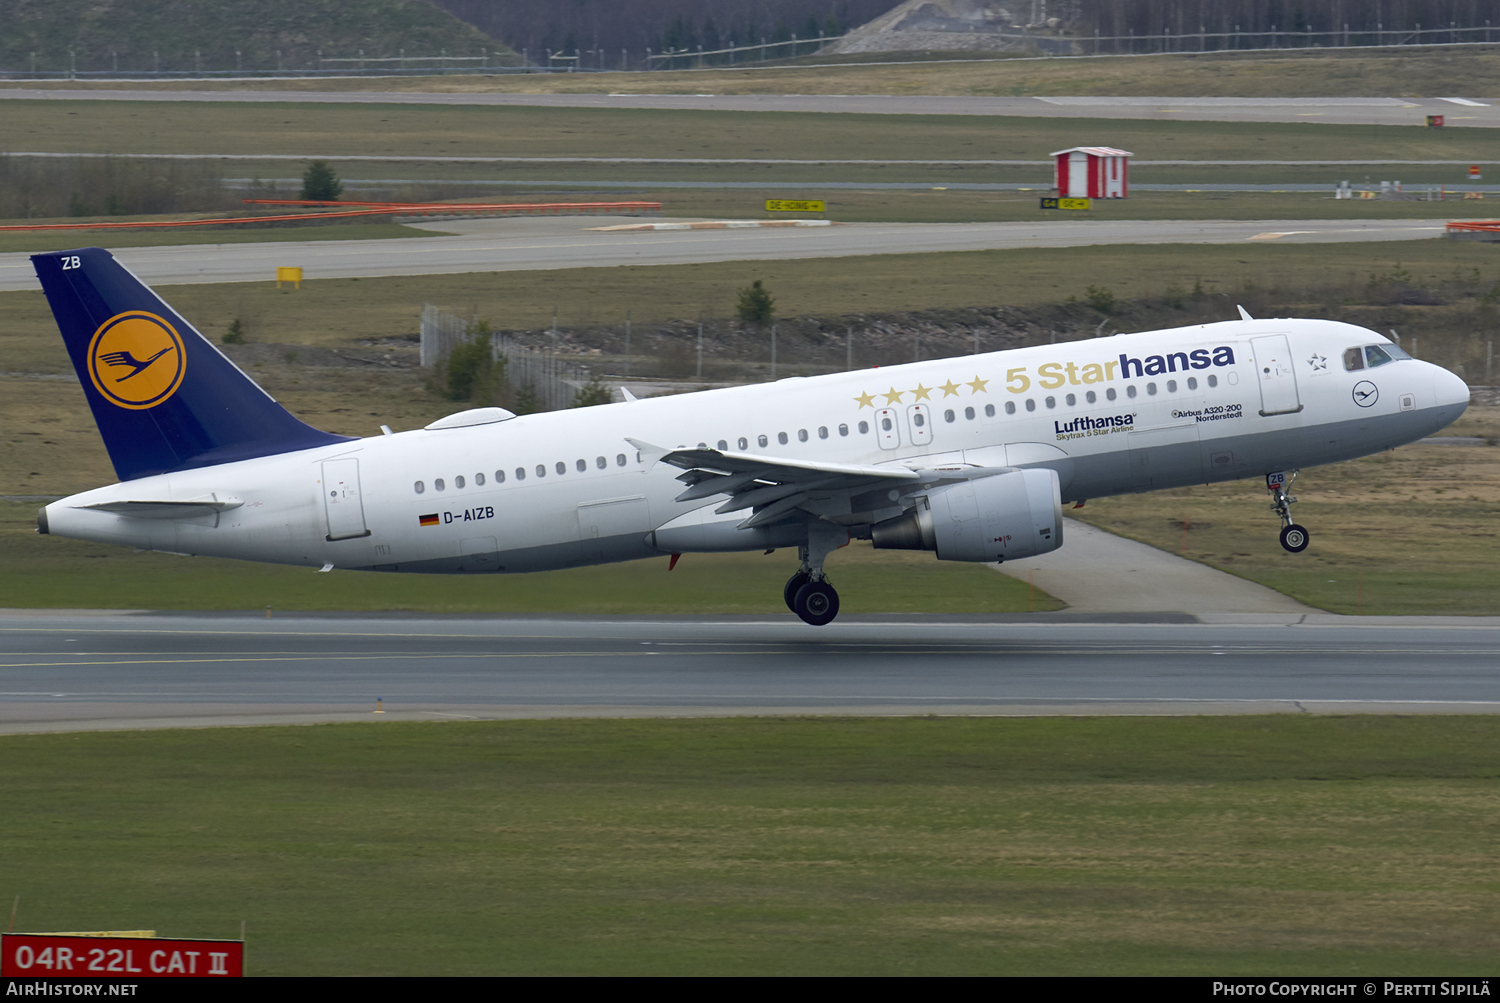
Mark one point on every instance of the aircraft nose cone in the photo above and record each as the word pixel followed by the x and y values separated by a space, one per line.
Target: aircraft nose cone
pixel 1448 389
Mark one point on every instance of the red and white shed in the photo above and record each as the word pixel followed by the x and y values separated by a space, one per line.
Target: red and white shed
pixel 1093 172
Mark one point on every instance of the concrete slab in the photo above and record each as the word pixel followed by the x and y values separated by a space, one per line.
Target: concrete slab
pixel 1095 571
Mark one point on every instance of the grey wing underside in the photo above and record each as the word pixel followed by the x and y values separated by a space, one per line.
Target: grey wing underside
pixel 775 488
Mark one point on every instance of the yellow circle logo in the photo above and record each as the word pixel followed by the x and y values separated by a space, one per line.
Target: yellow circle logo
pixel 136 360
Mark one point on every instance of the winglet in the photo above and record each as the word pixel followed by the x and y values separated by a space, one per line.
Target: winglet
pixel 1244 314
pixel 629 397
pixel 651 454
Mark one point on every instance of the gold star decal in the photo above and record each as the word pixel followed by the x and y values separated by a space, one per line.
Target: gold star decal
pixel 949 389
pixel 979 385
pixel 920 393
pixel 866 400
pixel 892 396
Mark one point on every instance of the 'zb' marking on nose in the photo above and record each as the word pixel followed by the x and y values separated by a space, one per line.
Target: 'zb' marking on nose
pixel 126 359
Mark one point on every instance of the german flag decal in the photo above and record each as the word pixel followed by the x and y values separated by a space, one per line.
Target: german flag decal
pixel 428 520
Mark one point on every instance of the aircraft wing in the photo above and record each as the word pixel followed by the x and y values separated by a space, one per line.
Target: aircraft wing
pixel 771 486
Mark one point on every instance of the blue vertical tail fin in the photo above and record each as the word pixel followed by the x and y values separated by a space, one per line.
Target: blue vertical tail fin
pixel 163 396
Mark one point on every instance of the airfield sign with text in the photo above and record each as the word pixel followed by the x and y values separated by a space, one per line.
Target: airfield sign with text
pixel 788 205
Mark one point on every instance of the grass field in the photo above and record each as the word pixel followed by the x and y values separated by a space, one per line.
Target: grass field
pixel 307 130
pixel 335 312
pixel 1089 846
pixel 1407 71
pixel 933 204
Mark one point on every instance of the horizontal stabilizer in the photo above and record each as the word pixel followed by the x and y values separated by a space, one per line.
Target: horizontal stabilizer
pixel 167 509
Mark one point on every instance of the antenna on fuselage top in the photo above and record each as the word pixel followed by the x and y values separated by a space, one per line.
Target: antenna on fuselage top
pixel 1244 314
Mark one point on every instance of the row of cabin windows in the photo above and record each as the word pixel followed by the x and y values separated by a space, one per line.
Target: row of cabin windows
pixel 459 482
pixel 1071 400
pixel 803 435
pixel 743 443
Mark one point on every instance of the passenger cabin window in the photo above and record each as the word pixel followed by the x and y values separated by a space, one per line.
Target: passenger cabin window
pixel 499 477
pixel 1192 383
pixel 1051 402
pixel 949 416
pixel 479 480
pixel 1091 396
pixel 801 435
pixel 541 470
pixel 723 444
pixel 562 467
pixel 1213 381
pixel 781 438
pixel 843 430
pixel 600 462
pixel 1030 404
pixel 419 487
pixel 822 431
pixel 439 484
pixel 619 459
pixel 864 428
pixel 1171 386
pixel 520 473
pixel 458 481
pixel 744 443
pixel 969 413
pixel 1130 390
pixel 1072 399
pixel 1376 356
pixel 1151 389
pixel 1354 360
pixel 763 441
pixel 582 465
pixel 1010 407
pixel 989 410
pixel 1109 394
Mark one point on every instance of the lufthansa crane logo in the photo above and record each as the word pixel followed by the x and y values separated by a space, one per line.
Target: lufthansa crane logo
pixel 136 360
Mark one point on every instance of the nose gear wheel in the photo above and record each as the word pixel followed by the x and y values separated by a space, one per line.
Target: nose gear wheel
pixel 1294 538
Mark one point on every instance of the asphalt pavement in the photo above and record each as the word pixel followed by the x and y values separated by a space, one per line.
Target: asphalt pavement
pixel 62 671
pixel 526 244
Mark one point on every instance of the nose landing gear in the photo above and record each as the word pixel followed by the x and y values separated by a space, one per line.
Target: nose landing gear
pixel 1294 538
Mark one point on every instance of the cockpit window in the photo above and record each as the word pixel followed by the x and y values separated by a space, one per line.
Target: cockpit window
pixel 1376 356
pixel 1394 352
pixel 1354 360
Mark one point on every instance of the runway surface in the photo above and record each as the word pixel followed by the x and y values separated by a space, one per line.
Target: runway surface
pixel 1343 110
pixel 64 671
pixel 523 244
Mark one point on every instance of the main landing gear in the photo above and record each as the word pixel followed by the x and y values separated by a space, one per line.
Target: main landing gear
pixel 1294 538
pixel 808 593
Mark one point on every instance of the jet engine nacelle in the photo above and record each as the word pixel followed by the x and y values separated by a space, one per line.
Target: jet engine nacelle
pixel 997 518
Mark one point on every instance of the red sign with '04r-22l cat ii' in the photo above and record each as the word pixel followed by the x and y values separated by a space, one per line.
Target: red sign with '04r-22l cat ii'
pixel 49 956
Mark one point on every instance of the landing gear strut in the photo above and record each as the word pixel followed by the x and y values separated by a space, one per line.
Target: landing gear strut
pixel 1294 538
pixel 808 593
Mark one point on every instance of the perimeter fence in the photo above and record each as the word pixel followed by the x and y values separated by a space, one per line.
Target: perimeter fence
pixel 554 383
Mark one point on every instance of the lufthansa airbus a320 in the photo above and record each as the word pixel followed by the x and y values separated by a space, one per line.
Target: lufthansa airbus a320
pixel 972 458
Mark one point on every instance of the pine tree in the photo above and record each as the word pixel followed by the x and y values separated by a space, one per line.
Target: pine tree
pixel 756 305
pixel 320 184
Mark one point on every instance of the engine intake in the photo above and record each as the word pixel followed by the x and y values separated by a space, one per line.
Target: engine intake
pixel 997 518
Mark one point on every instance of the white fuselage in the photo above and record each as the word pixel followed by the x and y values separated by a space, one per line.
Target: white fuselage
pixel 1213 402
